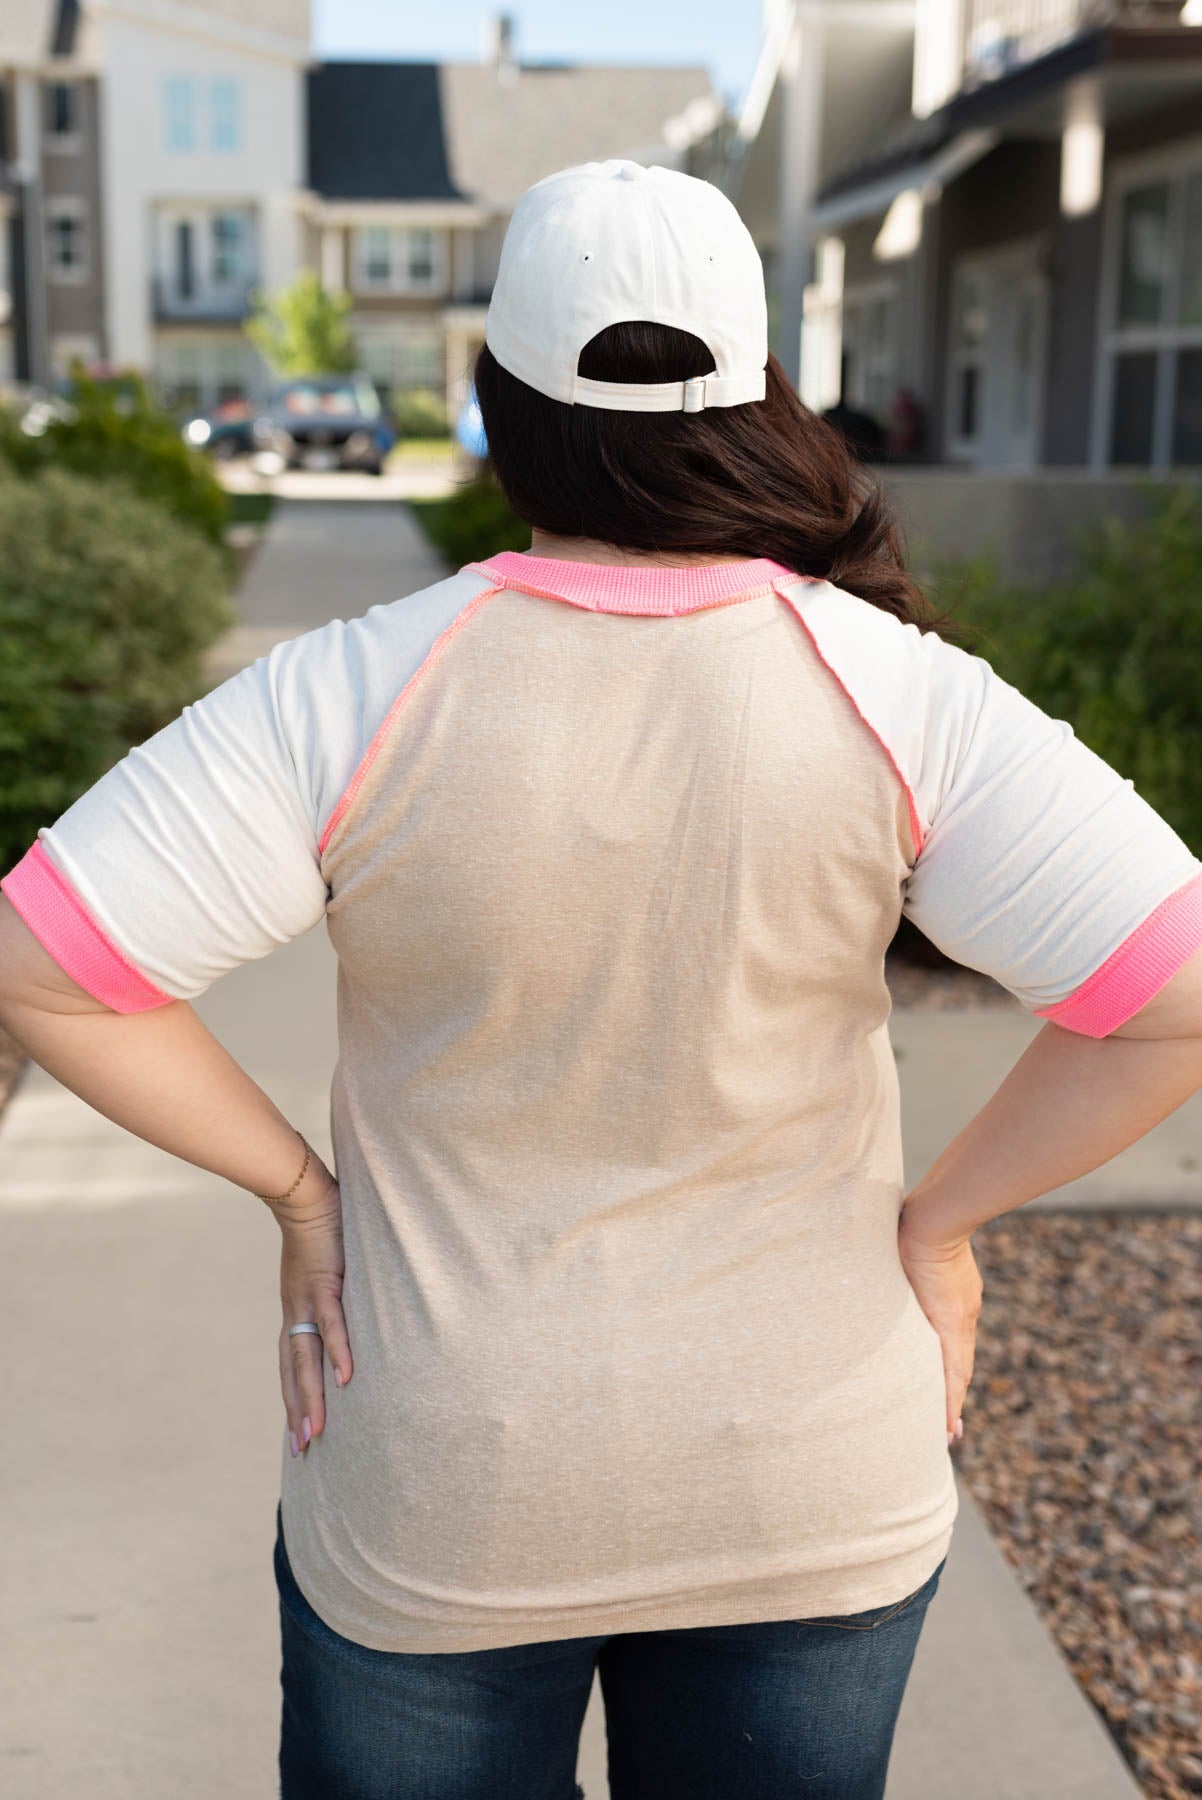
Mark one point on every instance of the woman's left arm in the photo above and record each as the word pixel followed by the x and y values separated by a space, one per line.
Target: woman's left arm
pixel 162 1075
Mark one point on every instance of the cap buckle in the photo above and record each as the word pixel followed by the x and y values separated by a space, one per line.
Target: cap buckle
pixel 694 394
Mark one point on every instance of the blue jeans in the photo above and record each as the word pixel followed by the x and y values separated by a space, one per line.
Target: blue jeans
pixel 722 1712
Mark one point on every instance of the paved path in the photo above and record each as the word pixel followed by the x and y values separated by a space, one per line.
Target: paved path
pixel 949 1063
pixel 144 1425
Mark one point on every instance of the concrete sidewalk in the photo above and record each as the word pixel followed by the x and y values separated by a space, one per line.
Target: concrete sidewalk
pixel 950 1062
pixel 144 1428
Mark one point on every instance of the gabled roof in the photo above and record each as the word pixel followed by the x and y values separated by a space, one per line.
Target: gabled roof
pixel 505 134
pixel 376 132
pixel 468 131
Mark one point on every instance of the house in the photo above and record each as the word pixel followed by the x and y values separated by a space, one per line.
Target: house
pixel 1016 253
pixel 202 153
pixel 51 249
pixel 414 168
pixel 151 171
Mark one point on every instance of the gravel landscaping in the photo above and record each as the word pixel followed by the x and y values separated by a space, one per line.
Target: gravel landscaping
pixel 1083 1445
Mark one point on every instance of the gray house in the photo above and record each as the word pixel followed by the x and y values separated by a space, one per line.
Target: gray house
pixel 414 169
pixel 51 270
pixel 1007 270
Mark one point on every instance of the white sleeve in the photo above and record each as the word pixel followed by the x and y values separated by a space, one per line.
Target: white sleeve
pixel 202 848
pixel 1040 864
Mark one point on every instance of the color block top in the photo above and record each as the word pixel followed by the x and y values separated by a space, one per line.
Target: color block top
pixel 610 858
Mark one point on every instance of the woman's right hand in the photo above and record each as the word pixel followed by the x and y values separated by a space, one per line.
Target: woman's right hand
pixel 948 1287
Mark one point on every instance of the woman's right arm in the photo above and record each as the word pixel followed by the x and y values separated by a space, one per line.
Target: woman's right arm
pixel 1069 1104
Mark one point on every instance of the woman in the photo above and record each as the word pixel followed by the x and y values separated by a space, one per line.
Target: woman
pixel 640 1359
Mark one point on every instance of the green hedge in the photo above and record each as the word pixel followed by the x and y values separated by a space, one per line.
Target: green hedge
pixel 1116 650
pixel 107 605
pixel 119 430
pixel 474 522
pixel 420 413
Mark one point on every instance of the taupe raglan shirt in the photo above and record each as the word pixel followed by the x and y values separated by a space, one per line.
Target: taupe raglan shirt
pixel 610 859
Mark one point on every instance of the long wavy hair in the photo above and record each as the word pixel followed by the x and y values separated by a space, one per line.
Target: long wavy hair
pixel 769 478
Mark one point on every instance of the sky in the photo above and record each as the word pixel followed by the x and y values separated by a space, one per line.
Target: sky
pixel 722 35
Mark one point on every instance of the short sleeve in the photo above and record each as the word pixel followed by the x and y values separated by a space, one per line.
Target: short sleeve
pixel 196 852
pixel 1040 864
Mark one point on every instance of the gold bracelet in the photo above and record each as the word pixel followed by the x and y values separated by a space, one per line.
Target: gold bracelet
pixel 274 1199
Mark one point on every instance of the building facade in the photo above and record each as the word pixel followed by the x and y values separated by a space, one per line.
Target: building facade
pixel 1009 274
pixel 161 161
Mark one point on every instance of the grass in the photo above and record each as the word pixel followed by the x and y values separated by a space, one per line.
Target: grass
pixel 423 450
pixel 249 509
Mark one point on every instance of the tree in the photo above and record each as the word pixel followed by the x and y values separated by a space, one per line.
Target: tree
pixel 304 329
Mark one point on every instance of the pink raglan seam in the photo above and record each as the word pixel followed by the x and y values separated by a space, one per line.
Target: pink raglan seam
pixel 916 830
pixel 1137 969
pixel 347 798
pixel 40 892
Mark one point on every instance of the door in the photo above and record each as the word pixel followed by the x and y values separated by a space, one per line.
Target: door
pixel 996 359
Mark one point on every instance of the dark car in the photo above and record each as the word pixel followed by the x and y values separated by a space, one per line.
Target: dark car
pixel 326 422
pixel 226 431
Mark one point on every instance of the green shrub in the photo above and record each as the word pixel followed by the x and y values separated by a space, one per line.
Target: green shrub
pixel 420 413
pixel 472 523
pixel 107 606
pixel 121 431
pixel 1116 649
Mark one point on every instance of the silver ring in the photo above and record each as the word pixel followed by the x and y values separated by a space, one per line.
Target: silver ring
pixel 295 1330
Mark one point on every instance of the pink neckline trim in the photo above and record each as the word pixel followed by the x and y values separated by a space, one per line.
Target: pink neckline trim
pixel 638 588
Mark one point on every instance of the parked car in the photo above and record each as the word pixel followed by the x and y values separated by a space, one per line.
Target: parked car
pixel 315 422
pixel 226 431
pixel 326 422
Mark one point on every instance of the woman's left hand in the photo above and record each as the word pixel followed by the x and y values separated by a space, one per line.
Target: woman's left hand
pixel 312 1265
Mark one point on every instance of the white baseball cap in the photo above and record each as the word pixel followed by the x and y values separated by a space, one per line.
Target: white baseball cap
pixel 606 243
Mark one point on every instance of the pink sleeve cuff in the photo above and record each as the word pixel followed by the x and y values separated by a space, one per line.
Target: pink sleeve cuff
pixel 62 923
pixel 1138 969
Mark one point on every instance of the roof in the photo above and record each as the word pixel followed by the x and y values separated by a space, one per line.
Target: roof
pixel 375 132
pixel 995 102
pixel 464 131
pixel 504 135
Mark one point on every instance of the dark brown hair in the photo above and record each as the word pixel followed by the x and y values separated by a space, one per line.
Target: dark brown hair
pixel 769 478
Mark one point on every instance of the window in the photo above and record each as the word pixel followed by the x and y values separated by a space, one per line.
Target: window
pixel 185 259
pixel 869 360
pixel 225 112
pixel 231 372
pixel 1133 415
pixel 400 358
pixel 1145 255
pixel 66 240
pixel 179 113
pixel 421 258
pixel 62 113
pixel 198 372
pixel 377 256
pixel 402 259
pixel 181 376
pixel 969 347
pixel 227 240
pixel 206 260
pixel 1149 408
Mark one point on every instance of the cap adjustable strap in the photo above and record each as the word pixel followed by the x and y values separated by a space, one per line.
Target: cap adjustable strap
pixel 693 395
